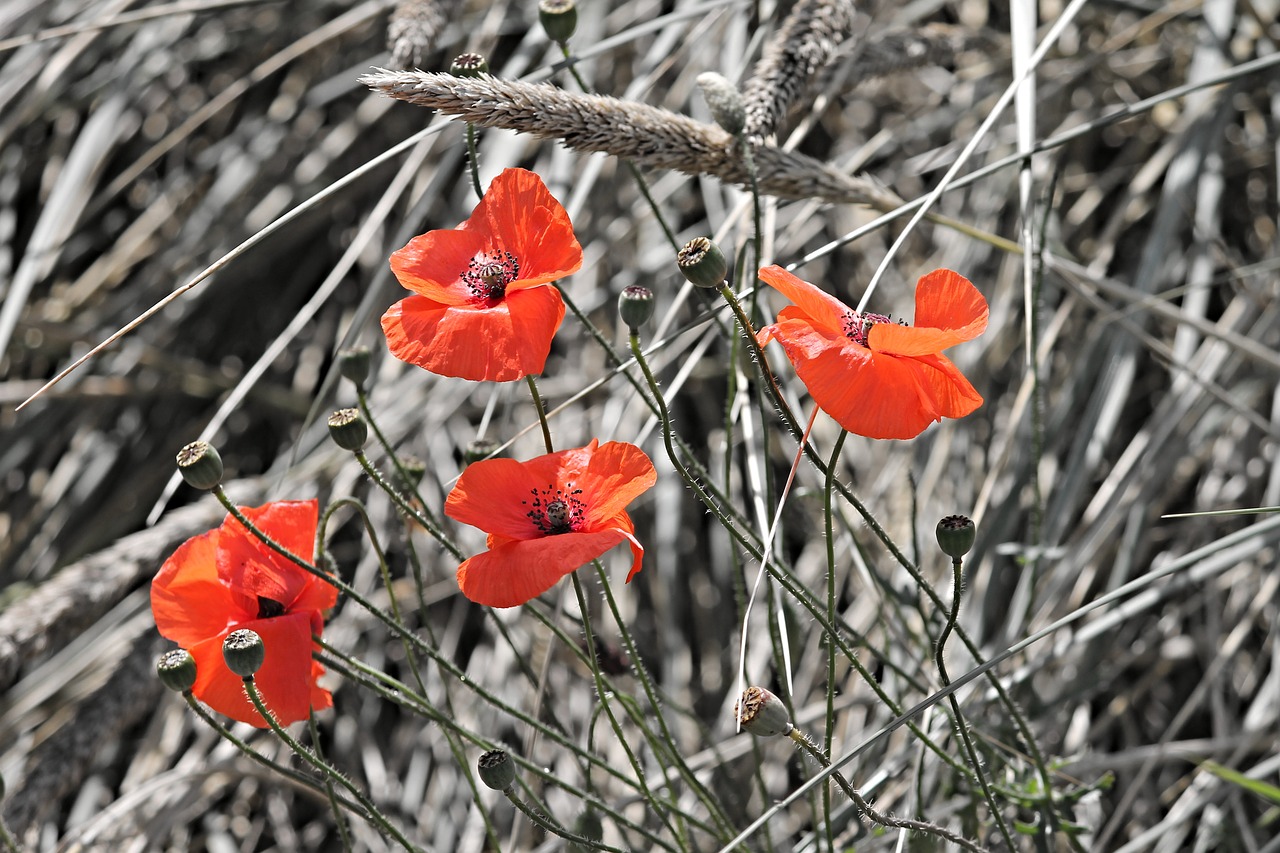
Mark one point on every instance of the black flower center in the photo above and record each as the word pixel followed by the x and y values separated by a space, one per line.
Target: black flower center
pixel 488 275
pixel 857 326
pixel 555 510
pixel 269 608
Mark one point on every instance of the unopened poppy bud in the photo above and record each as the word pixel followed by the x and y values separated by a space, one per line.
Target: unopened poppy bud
pixel 636 307
pixel 243 651
pixel 348 429
pixel 200 465
pixel 559 19
pixel 177 670
pixel 762 713
pixel 955 535
pixel 702 262
pixel 479 448
pixel 724 100
pixel 354 365
pixel 469 65
pixel 497 770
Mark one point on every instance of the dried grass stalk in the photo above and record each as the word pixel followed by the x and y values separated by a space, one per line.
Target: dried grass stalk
pixel 412 31
pixel 804 44
pixel 648 136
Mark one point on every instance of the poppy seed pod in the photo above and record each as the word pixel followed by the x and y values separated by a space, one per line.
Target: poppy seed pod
pixel 762 713
pixel 243 651
pixel 177 670
pixel 354 365
pixel 497 770
pixel 955 535
pixel 635 305
pixel 479 449
pixel 348 429
pixel 724 100
pixel 413 470
pixel 702 263
pixel 469 65
pixel 200 465
pixel 559 18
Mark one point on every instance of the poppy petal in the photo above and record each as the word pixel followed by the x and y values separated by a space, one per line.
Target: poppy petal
pixel 286 680
pixel 523 218
pixel 497 344
pixel 867 393
pixel 950 394
pixel 949 310
pixel 616 474
pixel 516 572
pixel 821 308
pixel 191 575
pixel 252 569
pixel 432 264
pixel 492 495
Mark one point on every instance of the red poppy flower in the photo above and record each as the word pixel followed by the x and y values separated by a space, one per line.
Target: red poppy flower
pixel 482 309
pixel 226 579
pixel 876 377
pixel 546 517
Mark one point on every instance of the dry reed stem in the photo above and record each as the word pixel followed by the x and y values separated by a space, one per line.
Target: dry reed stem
pixel 412 31
pixel 805 42
pixel 646 135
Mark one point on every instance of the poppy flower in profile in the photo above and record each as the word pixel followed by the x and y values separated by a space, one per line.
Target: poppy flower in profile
pixel 482 307
pixel 876 377
pixel 546 517
pixel 226 579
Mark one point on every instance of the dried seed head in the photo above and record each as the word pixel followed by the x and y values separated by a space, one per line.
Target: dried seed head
pixel 702 262
pixel 725 101
pixel 497 770
pixel 200 465
pixel 177 670
pixel 955 535
pixel 243 651
pixel 469 65
pixel 762 713
pixel 348 429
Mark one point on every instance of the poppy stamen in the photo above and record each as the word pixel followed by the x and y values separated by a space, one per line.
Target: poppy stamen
pixel 858 326
pixel 488 275
pixel 556 511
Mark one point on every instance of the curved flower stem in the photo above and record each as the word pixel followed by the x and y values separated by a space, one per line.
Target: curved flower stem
pixel 866 809
pixel 378 819
pixel 788 583
pixel 659 807
pixel 651 693
pixel 473 160
pixel 962 728
pixel 404 475
pixel 287 772
pixel 551 826
pixel 338 817
pixel 403 695
pixel 831 617
pixel 399 500
pixel 542 413
pixel 1019 720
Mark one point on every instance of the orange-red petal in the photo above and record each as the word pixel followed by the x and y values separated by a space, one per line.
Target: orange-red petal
pixel 616 474
pixel 822 309
pixel 519 215
pixel 949 310
pixel 512 573
pixel 188 600
pixel 432 264
pixel 508 341
pixel 287 679
pixel 253 570
pixel 492 495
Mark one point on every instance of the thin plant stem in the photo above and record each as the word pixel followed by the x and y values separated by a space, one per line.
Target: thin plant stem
pixel 473 160
pixel 405 478
pixel 552 826
pixel 659 807
pixel 962 728
pixel 249 752
pixel 542 413
pixel 829 730
pixel 378 819
pixel 866 809
pixel 338 817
